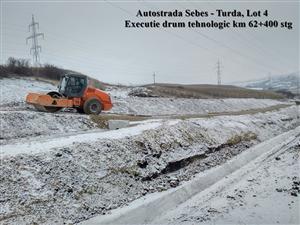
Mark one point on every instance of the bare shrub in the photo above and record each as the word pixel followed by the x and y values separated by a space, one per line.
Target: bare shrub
pixel 18 67
pixel 52 72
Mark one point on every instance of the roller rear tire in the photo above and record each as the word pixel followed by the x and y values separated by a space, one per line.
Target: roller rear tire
pixel 92 106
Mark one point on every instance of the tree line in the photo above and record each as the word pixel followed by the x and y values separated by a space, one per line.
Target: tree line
pixel 21 67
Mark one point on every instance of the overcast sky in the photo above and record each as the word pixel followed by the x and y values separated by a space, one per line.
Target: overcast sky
pixel 90 37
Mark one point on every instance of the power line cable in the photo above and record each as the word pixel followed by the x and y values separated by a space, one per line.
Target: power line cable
pixel 232 49
pixel 83 50
pixel 254 44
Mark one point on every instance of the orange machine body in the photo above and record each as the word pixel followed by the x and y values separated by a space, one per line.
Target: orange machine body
pixel 72 102
pixel 104 98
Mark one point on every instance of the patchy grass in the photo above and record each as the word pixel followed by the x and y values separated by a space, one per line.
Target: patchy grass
pixel 132 170
pixel 210 91
pixel 102 119
pixel 53 82
pixel 239 138
pixel 236 113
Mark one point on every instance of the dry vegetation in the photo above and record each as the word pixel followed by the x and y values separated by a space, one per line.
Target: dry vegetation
pixel 242 137
pixel 47 72
pixel 210 91
pixel 51 73
pixel 102 119
pixel 237 113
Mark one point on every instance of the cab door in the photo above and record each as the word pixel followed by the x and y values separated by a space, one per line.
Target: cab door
pixel 75 86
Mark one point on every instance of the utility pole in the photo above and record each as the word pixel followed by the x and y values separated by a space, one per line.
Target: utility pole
pixel 219 72
pixel 154 78
pixel 298 86
pixel 270 81
pixel 36 48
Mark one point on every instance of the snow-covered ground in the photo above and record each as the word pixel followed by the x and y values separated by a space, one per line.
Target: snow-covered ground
pixel 269 194
pixel 44 144
pixel 74 181
pixel 20 121
pixel 125 104
pixel 61 169
pixel 171 106
pixel 14 90
pixel 25 124
pixel 180 202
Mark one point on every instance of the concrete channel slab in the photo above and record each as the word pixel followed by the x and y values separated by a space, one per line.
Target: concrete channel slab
pixel 117 124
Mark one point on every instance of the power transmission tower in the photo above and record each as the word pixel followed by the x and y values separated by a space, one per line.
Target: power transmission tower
pixel 36 48
pixel 298 86
pixel 219 72
pixel 154 75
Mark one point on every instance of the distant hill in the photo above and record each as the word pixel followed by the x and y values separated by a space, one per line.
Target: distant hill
pixel 209 91
pixel 276 83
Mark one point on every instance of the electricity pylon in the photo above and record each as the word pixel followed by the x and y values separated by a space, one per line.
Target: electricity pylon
pixel 36 48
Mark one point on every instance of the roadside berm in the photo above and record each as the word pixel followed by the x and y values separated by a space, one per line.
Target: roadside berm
pixel 188 203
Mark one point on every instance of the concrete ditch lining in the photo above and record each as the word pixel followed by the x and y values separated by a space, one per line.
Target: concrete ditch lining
pixel 147 209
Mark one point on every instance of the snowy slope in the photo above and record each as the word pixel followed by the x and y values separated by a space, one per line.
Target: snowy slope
pixel 267 194
pixel 14 90
pixel 125 104
pixel 180 106
pixel 25 124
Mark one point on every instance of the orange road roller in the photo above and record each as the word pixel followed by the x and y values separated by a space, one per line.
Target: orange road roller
pixel 73 92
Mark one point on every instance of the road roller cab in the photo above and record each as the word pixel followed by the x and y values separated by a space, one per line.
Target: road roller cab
pixel 73 92
pixel 72 85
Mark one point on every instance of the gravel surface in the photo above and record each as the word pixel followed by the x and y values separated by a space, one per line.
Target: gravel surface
pixel 25 124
